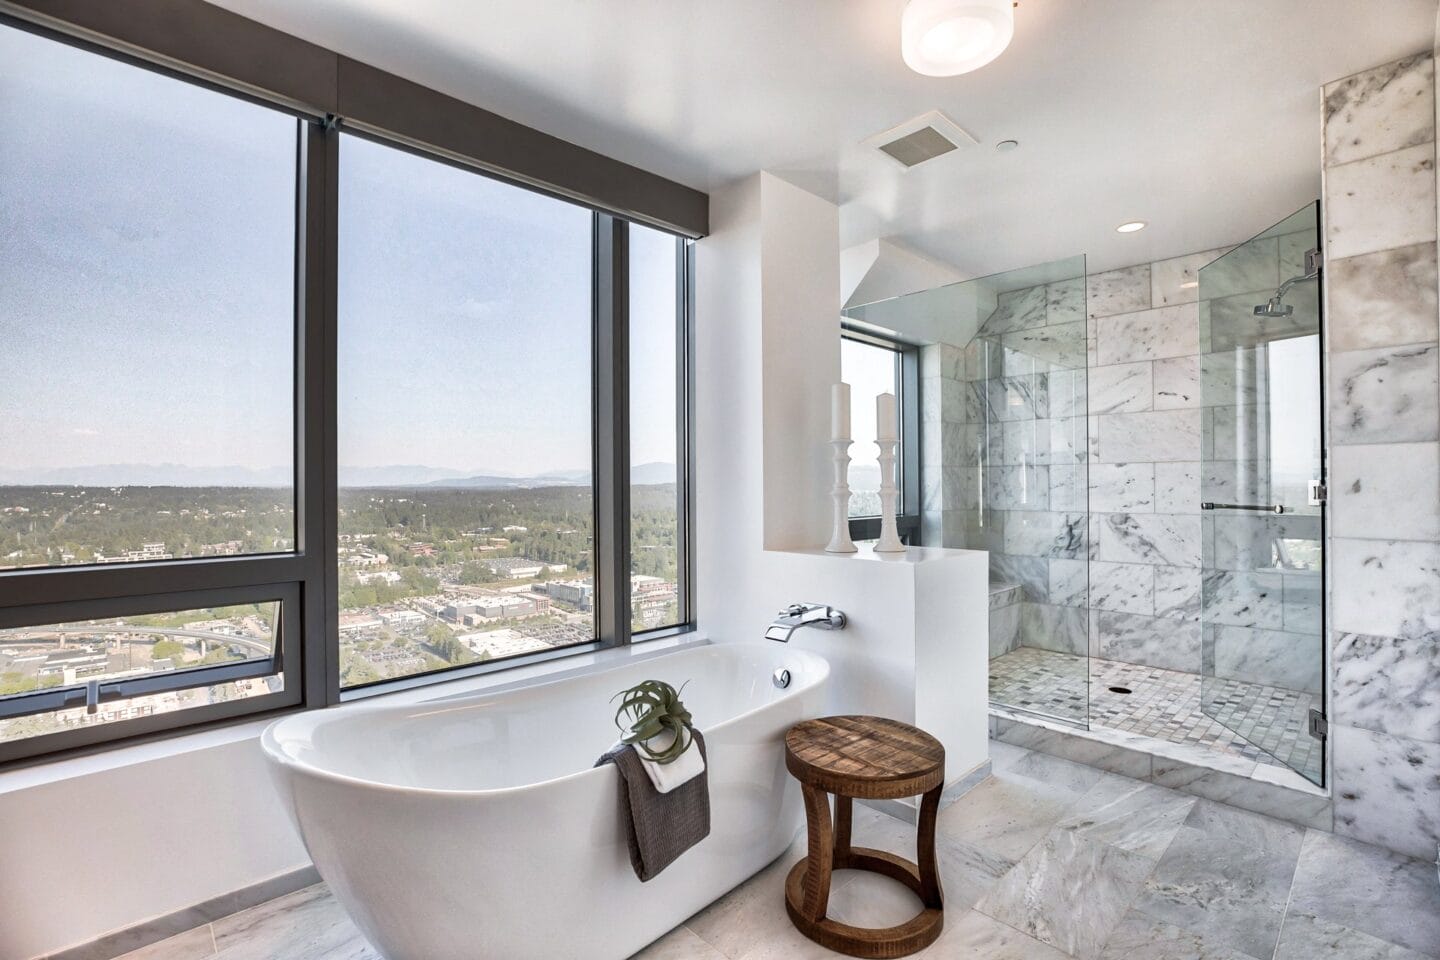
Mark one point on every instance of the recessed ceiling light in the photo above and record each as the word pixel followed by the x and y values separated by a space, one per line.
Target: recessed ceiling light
pixel 945 38
pixel 1005 146
pixel 1130 226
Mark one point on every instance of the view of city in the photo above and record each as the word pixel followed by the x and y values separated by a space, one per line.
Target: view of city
pixel 70 654
pixel 431 576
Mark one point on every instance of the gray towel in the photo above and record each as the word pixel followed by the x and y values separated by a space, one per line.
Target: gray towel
pixel 660 826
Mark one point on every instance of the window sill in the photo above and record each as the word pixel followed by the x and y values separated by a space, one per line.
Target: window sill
pixel 42 772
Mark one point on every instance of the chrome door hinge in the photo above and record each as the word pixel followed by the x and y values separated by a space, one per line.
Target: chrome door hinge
pixel 1314 260
pixel 1319 726
pixel 1319 493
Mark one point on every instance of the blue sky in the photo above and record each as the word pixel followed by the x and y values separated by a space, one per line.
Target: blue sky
pixel 146 272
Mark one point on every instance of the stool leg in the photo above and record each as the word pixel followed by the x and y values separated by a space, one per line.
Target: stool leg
pixel 930 892
pixel 818 867
pixel 843 819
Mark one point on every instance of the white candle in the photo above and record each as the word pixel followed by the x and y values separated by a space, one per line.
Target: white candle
pixel 885 422
pixel 840 411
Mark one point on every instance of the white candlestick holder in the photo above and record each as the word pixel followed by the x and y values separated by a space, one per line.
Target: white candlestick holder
pixel 889 541
pixel 840 541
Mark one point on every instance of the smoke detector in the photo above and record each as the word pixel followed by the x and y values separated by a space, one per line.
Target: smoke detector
pixel 924 138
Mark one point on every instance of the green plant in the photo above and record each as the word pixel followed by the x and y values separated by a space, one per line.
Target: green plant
pixel 647 710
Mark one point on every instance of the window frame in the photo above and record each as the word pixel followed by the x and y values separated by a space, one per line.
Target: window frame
pixel 306 580
pixel 907 379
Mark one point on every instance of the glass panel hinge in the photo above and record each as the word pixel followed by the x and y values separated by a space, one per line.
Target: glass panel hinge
pixel 1319 726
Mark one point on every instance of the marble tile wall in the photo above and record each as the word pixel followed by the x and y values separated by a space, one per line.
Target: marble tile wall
pixel 1384 421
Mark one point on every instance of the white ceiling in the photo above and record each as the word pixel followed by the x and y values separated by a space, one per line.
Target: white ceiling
pixel 1200 116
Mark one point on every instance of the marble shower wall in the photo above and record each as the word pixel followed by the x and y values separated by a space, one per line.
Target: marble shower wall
pixel 1384 420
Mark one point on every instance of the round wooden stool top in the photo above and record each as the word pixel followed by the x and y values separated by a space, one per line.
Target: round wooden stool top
pixel 870 758
pixel 867 757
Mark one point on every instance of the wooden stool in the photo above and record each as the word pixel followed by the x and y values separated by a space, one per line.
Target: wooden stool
pixel 870 758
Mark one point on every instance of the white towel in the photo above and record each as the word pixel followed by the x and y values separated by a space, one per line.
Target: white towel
pixel 667 776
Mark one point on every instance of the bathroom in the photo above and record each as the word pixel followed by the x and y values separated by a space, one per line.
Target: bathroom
pixel 310 633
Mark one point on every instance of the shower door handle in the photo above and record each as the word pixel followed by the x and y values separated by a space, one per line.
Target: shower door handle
pixel 1262 507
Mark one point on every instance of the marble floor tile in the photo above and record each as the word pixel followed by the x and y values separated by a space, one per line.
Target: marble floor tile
pixel 196 944
pixel 1231 892
pixel 1003 818
pixel 1377 892
pixel 1140 937
pixel 679 944
pixel 971 935
pixel 751 914
pixel 1309 938
pixel 1133 816
pixel 306 925
pixel 967 872
pixel 1070 892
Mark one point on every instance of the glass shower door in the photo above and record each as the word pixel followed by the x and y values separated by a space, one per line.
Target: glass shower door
pixel 1262 494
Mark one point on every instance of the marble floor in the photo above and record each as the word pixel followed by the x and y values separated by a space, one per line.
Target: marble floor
pixel 1045 860
pixel 1252 720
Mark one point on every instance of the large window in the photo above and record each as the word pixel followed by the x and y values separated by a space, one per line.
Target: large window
pixel 148 312
pixel 147 300
pixel 294 411
pixel 658 430
pixel 465 421
pixel 872 366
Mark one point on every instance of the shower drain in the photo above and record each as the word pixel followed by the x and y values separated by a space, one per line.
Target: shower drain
pixel 1120 690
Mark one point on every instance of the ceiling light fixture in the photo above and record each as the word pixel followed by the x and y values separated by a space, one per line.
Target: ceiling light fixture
pixel 945 38
pixel 1130 226
pixel 1005 146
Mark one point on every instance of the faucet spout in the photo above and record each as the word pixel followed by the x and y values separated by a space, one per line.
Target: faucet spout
pixel 798 615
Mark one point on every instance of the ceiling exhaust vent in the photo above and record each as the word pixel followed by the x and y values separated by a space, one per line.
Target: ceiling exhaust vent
pixel 926 137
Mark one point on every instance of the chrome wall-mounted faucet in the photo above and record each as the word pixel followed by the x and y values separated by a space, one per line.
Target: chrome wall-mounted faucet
pixel 799 615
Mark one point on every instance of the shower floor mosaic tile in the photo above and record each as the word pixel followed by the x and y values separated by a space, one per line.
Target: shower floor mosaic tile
pixel 1254 721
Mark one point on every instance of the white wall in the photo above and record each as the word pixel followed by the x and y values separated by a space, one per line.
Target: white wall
pixel 758 539
pixel 111 848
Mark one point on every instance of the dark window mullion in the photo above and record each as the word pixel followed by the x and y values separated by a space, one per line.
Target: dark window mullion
pixel 684 429
pixel 612 429
pixel 321 642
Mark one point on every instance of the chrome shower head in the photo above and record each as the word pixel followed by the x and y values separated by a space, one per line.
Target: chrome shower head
pixel 1274 308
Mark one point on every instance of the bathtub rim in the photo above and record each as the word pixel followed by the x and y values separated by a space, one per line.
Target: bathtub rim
pixel 275 755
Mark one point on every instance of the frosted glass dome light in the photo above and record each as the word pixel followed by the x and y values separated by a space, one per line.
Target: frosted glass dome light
pixel 945 38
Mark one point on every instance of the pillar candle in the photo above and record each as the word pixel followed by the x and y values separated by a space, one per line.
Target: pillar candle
pixel 885 423
pixel 840 411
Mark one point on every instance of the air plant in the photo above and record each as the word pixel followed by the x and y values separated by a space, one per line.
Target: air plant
pixel 647 710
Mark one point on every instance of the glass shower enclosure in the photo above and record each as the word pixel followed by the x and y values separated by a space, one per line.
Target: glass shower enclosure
pixel 1005 451
pixel 1262 493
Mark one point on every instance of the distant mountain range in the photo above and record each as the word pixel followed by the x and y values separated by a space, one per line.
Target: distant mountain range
pixel 398 475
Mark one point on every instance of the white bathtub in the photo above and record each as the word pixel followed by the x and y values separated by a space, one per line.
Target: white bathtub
pixel 475 827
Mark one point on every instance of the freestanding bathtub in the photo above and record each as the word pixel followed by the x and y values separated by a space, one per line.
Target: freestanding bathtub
pixel 476 826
